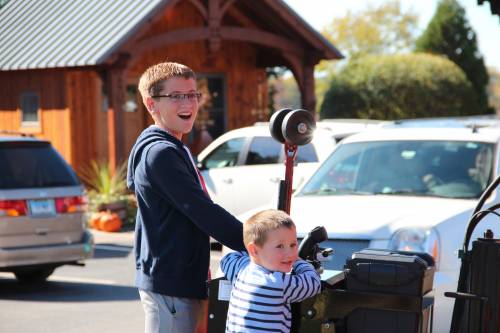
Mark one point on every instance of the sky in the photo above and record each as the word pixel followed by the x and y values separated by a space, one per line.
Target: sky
pixel 319 13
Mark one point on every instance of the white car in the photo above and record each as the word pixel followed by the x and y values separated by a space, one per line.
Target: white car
pixel 242 168
pixel 403 189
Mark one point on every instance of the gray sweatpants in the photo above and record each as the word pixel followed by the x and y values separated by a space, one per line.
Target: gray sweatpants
pixel 166 314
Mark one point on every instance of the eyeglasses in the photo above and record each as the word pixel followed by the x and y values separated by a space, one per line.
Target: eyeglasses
pixel 191 97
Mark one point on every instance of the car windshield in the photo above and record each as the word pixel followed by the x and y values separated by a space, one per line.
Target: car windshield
pixel 33 165
pixel 451 169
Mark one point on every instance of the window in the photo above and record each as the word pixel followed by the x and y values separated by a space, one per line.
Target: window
pixel 30 104
pixel 212 113
pixel 264 150
pixel 306 153
pixel 452 169
pixel 225 155
pixel 33 164
pixel 131 98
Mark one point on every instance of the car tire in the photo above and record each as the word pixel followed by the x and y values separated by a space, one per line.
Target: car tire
pixel 33 275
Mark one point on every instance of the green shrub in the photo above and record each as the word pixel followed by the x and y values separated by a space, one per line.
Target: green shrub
pixel 399 86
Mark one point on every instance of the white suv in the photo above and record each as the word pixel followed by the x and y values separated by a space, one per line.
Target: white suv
pixel 243 167
pixel 404 189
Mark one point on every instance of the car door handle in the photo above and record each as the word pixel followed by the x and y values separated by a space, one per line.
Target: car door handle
pixel 275 179
pixel 228 180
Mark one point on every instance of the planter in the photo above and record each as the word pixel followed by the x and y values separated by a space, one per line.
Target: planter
pixel 118 207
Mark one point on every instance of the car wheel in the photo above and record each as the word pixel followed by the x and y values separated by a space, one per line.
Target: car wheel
pixel 33 275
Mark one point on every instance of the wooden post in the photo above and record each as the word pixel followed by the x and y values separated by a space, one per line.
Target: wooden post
pixel 116 89
pixel 308 97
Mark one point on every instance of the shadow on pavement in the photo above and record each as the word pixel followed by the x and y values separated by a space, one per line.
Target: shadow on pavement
pixel 55 291
pixel 108 250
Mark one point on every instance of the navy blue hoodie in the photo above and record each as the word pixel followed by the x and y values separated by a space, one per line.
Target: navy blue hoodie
pixel 175 218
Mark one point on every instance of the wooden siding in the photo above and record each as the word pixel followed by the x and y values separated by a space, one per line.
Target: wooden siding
pixel 72 116
pixel 135 122
pixel 87 120
pixel 246 95
pixel 53 114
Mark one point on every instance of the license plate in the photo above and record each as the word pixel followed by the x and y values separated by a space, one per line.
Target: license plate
pixel 43 207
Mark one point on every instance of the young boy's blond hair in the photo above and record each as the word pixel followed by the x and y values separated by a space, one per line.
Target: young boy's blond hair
pixel 256 228
pixel 151 81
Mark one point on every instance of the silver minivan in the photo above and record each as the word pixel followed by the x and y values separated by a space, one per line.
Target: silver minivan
pixel 42 210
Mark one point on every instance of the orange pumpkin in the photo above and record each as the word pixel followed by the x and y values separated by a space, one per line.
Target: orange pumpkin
pixel 94 220
pixel 110 222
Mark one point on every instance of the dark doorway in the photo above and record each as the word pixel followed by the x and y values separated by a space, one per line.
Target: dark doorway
pixel 212 114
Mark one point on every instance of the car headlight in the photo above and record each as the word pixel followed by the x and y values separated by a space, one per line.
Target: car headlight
pixel 417 240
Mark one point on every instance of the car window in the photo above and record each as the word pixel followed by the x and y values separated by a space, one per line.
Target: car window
pixel 263 150
pixel 306 153
pixel 226 155
pixel 426 168
pixel 32 165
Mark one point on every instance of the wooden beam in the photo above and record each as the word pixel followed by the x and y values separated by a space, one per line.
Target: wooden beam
pixel 168 38
pixel 303 72
pixel 226 33
pixel 262 38
pixel 308 96
pixel 226 6
pixel 201 9
pixel 116 90
pixel 214 18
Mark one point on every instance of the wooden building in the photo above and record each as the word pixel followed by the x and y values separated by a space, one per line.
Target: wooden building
pixel 69 69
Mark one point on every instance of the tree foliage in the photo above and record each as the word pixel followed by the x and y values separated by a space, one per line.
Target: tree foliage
pixel 450 34
pixel 383 29
pixel 377 30
pixel 399 86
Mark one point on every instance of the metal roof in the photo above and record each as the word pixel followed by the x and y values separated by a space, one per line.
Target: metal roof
pixel 37 34
pixel 62 33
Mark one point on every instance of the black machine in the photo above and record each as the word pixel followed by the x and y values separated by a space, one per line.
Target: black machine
pixel 477 300
pixel 378 290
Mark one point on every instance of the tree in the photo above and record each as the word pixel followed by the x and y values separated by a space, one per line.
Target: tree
pixel 397 87
pixel 386 29
pixel 450 34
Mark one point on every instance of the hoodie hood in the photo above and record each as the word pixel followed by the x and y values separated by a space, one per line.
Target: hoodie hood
pixel 148 136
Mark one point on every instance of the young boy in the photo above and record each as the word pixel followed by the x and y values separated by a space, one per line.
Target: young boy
pixel 263 286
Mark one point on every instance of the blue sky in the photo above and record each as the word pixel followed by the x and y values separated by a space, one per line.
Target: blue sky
pixel 319 13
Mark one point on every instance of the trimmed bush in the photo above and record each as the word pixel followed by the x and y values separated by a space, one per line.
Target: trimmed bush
pixel 399 86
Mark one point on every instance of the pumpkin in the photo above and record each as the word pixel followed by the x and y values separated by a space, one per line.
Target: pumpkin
pixel 94 220
pixel 110 222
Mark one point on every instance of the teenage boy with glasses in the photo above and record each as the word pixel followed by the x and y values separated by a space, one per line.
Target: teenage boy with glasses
pixel 175 216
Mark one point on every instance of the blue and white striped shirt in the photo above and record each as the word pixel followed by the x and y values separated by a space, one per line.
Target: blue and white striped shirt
pixel 260 299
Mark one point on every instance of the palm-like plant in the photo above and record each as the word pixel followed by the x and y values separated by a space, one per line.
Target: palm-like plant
pixel 106 190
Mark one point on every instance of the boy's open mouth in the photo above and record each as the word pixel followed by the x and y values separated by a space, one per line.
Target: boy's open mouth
pixel 184 116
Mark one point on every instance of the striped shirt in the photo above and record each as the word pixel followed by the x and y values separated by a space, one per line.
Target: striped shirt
pixel 260 299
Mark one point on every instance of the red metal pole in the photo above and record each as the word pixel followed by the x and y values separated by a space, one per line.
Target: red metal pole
pixel 290 153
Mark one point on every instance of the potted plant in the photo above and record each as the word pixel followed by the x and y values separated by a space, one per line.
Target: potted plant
pixel 107 190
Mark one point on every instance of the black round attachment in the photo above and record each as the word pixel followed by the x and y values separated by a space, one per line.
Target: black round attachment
pixel 298 127
pixel 275 124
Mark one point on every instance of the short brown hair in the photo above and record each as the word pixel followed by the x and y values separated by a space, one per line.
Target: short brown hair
pixel 255 229
pixel 152 79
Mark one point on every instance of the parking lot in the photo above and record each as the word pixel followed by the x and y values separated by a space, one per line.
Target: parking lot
pixel 99 297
